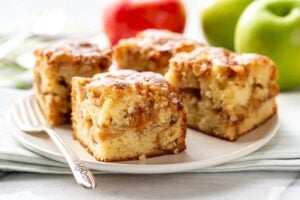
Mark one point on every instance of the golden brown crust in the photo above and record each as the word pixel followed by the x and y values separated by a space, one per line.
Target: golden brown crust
pixel 139 81
pixel 79 53
pixel 129 78
pixel 205 59
pixel 151 50
pixel 164 41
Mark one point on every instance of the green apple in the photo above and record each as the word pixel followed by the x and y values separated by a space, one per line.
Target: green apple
pixel 272 28
pixel 219 19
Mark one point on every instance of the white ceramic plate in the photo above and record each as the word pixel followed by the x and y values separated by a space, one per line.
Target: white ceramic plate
pixel 202 150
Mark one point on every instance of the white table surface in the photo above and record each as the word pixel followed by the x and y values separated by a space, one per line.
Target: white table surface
pixel 238 185
pixel 233 186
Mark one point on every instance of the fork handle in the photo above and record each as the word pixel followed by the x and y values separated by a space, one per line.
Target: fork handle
pixel 82 174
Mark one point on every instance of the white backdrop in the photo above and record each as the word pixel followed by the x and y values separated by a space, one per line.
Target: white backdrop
pixel 85 12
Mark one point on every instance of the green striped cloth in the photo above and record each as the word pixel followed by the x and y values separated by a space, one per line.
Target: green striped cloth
pixel 13 75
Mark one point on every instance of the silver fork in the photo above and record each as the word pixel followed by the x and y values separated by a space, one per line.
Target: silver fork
pixel 29 118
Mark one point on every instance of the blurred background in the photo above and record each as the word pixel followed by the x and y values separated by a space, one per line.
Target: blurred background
pixel 267 27
pixel 72 20
pixel 81 14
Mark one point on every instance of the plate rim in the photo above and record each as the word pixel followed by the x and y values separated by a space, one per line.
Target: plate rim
pixel 115 167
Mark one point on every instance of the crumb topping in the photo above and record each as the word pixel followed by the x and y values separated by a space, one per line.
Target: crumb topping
pixel 163 40
pixel 76 52
pixel 205 59
pixel 144 83
pixel 128 78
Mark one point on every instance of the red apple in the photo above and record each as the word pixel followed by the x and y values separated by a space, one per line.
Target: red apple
pixel 124 18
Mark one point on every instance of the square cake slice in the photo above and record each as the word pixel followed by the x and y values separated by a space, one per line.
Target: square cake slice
pixel 54 68
pixel 226 94
pixel 151 50
pixel 126 115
